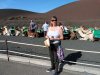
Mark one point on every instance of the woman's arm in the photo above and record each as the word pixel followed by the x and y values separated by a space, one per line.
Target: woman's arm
pixel 61 34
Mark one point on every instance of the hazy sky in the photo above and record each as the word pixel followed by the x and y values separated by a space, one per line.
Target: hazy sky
pixel 33 5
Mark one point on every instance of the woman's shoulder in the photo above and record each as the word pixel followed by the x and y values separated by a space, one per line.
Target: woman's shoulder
pixel 58 27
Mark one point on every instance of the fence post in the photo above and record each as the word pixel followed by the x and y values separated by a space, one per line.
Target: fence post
pixel 7 49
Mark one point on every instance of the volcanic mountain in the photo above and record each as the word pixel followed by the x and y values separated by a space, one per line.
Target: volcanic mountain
pixel 18 17
pixel 5 13
pixel 79 10
pixel 85 11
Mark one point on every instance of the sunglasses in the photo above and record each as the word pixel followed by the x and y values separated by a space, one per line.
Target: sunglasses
pixel 53 20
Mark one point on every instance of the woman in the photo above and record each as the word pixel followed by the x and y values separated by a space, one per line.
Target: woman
pixel 55 34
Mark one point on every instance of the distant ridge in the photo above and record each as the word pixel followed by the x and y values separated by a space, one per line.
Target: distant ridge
pixel 5 13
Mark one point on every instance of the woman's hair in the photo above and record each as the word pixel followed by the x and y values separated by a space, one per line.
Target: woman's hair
pixel 54 18
pixel 59 24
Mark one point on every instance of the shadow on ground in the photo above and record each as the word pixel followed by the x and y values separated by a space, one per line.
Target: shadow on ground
pixel 70 60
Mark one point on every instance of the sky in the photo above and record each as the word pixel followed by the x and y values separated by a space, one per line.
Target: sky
pixel 40 6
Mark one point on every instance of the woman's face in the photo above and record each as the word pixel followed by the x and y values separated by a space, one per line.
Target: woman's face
pixel 53 22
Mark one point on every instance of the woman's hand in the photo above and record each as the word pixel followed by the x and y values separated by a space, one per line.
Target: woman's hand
pixel 52 38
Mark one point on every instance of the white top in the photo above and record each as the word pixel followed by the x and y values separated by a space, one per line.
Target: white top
pixel 45 27
pixel 54 34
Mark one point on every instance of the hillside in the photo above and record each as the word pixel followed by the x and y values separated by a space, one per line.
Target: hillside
pixel 18 17
pixel 5 13
pixel 79 12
